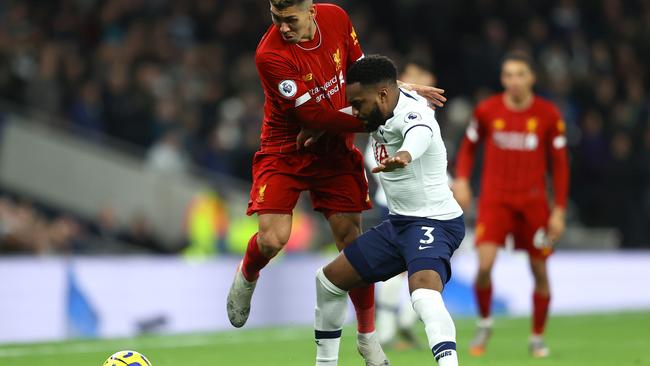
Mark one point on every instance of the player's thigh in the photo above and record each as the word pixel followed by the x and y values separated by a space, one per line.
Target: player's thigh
pixel 374 255
pixel 346 226
pixel 342 274
pixel 274 229
pixel 340 191
pixel 276 187
pixel 495 220
pixel 530 234
pixel 429 244
pixel 487 254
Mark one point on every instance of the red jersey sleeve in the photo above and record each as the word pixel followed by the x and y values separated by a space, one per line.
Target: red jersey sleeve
pixel 311 115
pixel 556 144
pixel 467 152
pixel 282 81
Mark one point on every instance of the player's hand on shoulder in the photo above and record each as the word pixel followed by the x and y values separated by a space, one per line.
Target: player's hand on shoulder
pixel 432 94
pixel 307 137
pixel 400 160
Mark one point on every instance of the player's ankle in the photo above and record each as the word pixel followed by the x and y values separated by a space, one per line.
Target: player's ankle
pixel 486 322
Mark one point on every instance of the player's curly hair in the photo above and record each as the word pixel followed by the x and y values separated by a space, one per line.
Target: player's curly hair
pixel 283 4
pixel 372 69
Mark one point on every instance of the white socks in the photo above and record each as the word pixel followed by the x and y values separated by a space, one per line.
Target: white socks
pixel 391 313
pixel 388 301
pixel 438 325
pixel 331 311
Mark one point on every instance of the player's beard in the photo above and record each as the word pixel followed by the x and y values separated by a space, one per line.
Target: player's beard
pixel 374 119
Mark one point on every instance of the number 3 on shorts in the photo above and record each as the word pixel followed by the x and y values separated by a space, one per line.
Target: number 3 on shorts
pixel 427 234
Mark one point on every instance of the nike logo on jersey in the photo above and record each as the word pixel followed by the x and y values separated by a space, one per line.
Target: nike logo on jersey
pixel 425 247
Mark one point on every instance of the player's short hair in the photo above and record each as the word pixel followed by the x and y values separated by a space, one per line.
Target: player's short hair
pixel 283 4
pixel 371 70
pixel 521 57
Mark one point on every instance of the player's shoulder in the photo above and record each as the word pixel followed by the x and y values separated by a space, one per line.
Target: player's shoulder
pixel 545 103
pixel 488 107
pixel 330 10
pixel 413 109
pixel 491 102
pixel 546 106
pixel 271 46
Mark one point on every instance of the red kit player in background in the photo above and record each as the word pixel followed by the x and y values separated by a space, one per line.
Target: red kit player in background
pixel 302 62
pixel 520 133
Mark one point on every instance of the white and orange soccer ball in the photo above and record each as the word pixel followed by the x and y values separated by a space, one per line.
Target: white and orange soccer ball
pixel 127 358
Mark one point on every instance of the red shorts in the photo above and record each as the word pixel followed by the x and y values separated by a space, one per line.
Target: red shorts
pixel 527 224
pixel 336 183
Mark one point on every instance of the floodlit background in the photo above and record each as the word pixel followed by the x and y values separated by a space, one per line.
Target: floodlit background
pixel 127 129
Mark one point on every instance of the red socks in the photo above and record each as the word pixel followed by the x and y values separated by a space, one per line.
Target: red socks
pixel 540 312
pixel 254 260
pixel 484 300
pixel 363 299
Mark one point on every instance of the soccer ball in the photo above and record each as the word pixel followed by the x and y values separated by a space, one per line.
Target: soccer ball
pixel 127 358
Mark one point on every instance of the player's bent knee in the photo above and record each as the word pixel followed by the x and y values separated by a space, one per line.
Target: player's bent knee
pixel 270 243
pixel 342 274
pixel 484 273
pixel 425 279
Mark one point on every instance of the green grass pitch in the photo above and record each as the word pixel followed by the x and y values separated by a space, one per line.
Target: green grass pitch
pixel 611 339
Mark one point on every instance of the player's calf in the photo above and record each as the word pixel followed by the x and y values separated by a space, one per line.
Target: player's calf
pixel 426 286
pixel 270 243
pixel 332 284
pixel 438 325
pixel 331 311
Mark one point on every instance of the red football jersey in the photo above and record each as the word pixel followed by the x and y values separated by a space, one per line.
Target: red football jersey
pixel 292 74
pixel 517 149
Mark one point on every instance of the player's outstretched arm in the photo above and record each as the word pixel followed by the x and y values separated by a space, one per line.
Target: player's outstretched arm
pixel 312 116
pixel 433 95
pixel 400 160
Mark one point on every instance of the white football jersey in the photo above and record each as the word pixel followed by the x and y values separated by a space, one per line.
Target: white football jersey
pixel 421 189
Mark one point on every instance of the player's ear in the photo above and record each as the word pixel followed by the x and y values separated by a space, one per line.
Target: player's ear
pixel 312 10
pixel 382 94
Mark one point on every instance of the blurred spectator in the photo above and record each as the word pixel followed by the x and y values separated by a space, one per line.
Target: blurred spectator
pixel 26 229
pixel 86 112
pixel 139 233
pixel 167 155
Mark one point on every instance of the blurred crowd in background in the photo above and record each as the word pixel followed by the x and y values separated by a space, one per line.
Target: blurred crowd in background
pixel 177 79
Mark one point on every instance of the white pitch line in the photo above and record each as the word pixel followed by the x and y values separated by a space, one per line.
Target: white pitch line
pixel 163 343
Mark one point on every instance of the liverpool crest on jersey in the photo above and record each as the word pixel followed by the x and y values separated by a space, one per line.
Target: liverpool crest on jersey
pixel 336 56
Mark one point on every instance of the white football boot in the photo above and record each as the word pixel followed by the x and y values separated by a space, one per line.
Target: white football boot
pixel 239 299
pixel 537 347
pixel 371 351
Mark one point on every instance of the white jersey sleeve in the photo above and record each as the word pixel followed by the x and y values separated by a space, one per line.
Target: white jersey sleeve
pixel 417 141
